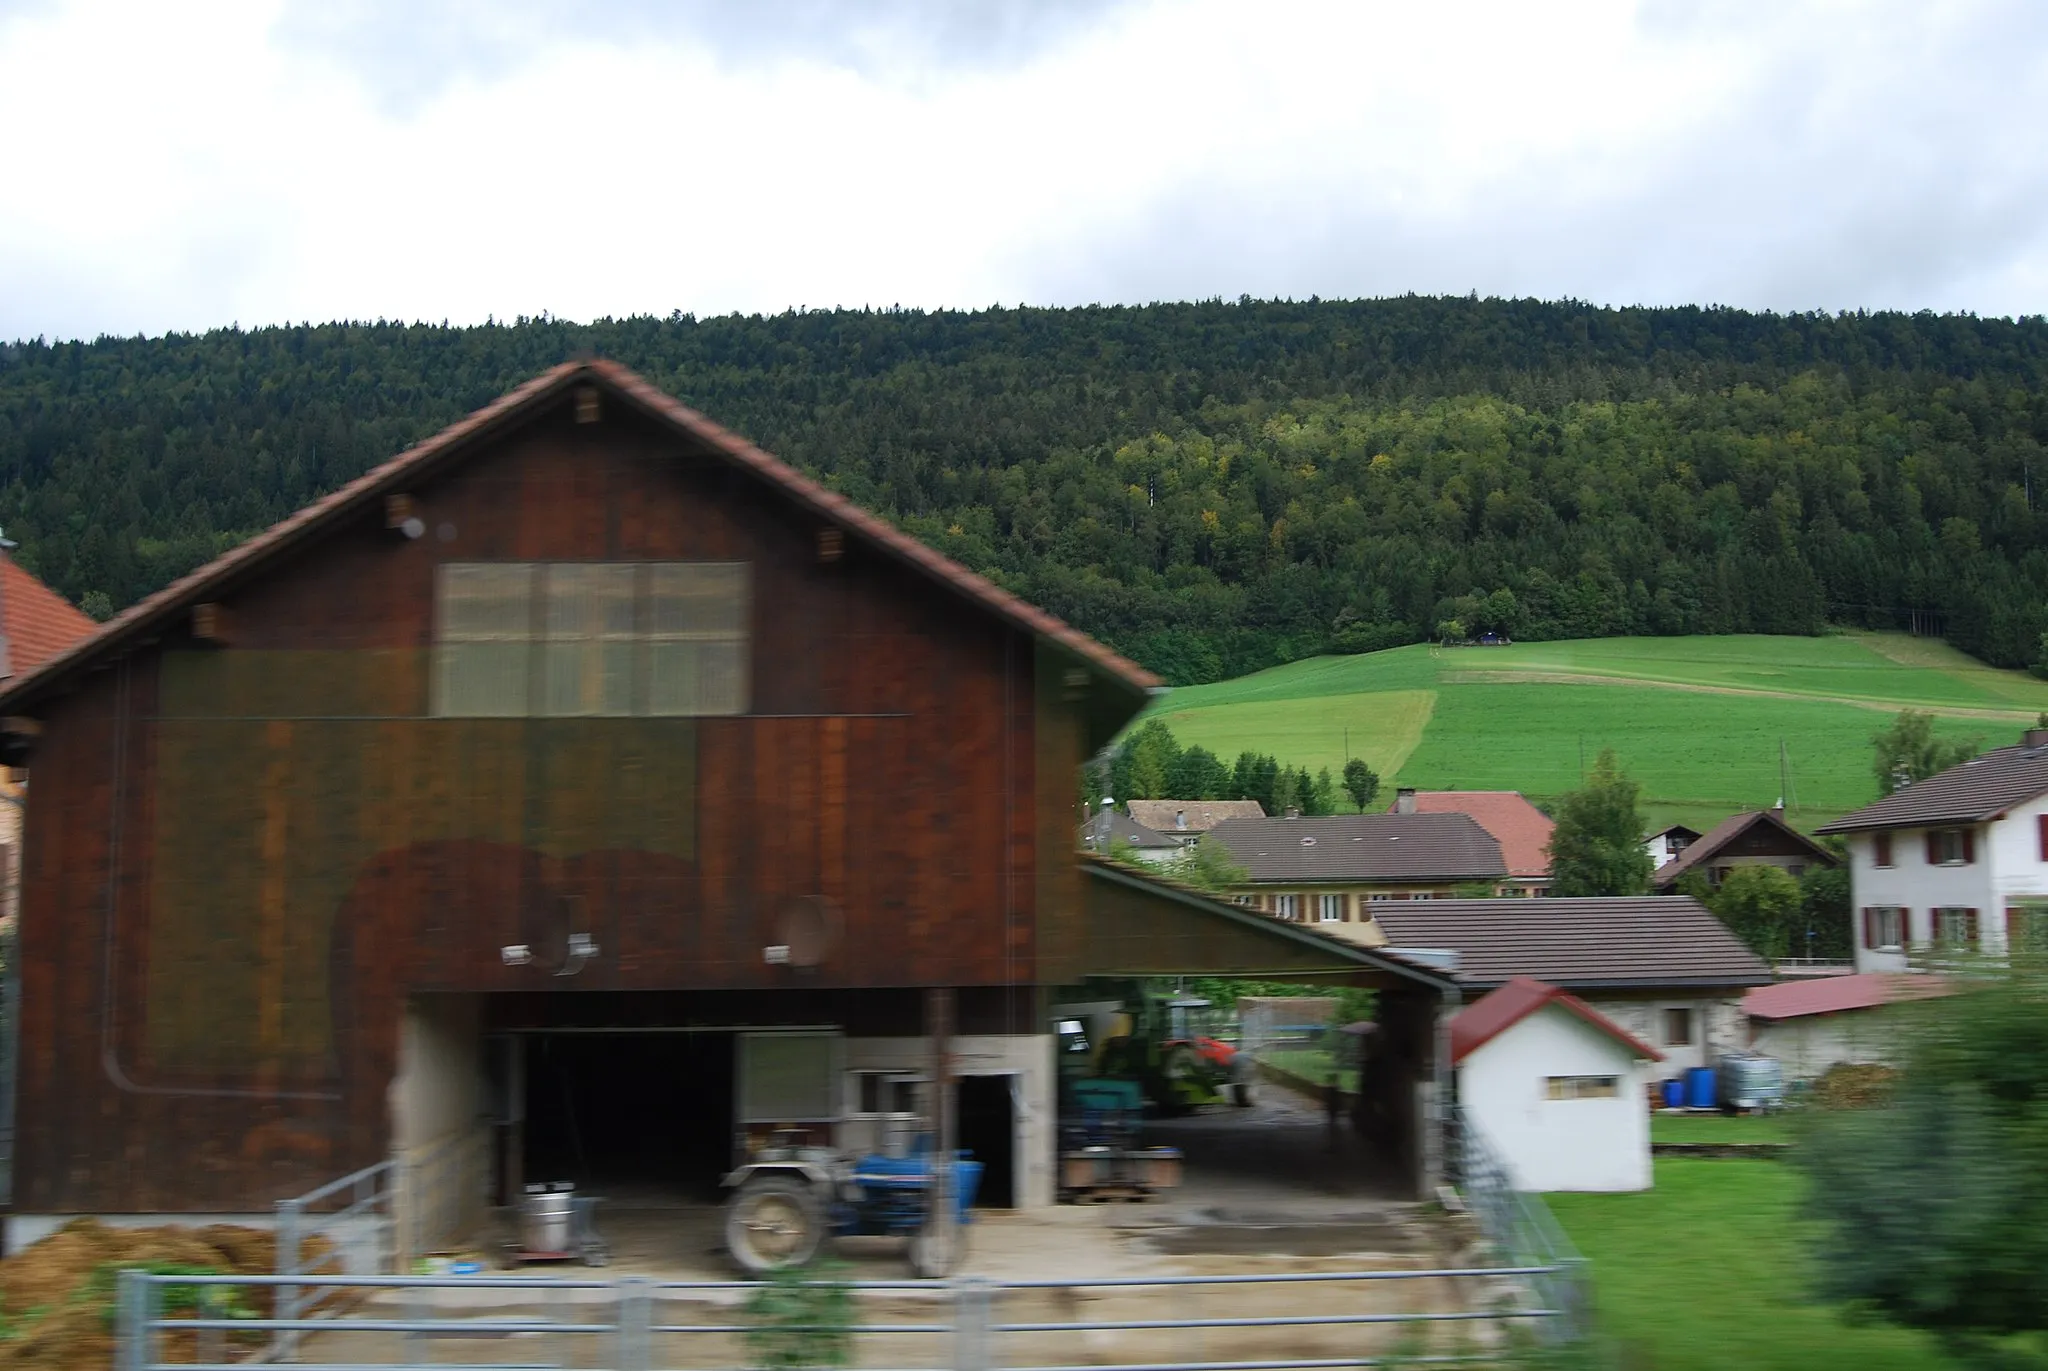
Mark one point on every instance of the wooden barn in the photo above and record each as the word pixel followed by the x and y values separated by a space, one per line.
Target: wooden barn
pixel 583 791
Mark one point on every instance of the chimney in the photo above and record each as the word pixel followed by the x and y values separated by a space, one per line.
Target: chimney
pixel 2034 737
pixel 1180 818
pixel 1293 813
pixel 1404 800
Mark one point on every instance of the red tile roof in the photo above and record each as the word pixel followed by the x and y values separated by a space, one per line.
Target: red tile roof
pixel 39 623
pixel 149 616
pixel 1834 994
pixel 1496 1013
pixel 1521 829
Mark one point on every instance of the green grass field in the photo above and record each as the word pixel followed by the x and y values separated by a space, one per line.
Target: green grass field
pixel 1698 721
pixel 1706 1272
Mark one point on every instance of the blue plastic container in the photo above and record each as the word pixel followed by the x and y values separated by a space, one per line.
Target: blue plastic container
pixel 1674 1093
pixel 1699 1087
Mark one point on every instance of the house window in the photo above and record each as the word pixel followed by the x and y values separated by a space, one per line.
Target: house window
pixel 1678 1027
pixel 1884 927
pixel 1330 908
pixel 1287 907
pixel 2026 929
pixel 1583 1087
pixel 1951 847
pixel 1955 926
pixel 590 639
pixel 1881 850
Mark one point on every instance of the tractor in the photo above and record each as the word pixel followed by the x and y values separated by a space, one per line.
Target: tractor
pixel 1167 1043
pixel 784 1201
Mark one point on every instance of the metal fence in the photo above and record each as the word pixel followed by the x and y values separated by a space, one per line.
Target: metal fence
pixel 1521 1231
pixel 405 1323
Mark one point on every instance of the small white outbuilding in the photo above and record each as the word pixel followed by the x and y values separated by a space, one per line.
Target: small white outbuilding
pixel 1557 1088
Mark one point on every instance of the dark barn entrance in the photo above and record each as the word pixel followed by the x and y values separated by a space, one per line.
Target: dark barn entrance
pixel 987 1120
pixel 645 1113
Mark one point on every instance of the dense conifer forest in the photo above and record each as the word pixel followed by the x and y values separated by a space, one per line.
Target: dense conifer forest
pixel 1213 487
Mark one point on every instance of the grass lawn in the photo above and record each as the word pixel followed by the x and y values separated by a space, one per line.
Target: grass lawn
pixel 1717 1128
pixel 1705 1273
pixel 1697 721
pixel 1311 1064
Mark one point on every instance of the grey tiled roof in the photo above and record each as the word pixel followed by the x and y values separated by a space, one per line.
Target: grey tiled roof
pixel 1580 944
pixel 1971 792
pixel 1363 847
pixel 1108 827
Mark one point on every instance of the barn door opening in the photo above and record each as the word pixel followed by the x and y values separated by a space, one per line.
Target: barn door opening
pixel 987 1114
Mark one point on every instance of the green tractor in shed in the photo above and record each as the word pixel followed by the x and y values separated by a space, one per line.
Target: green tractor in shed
pixel 1166 1042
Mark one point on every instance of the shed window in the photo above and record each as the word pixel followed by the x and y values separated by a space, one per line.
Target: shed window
pixel 1678 1027
pixel 1584 1087
pixel 569 639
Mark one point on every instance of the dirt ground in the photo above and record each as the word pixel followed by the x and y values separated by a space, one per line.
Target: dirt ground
pixel 1266 1190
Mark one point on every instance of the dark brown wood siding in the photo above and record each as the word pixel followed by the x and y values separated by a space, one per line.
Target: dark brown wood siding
pixel 240 860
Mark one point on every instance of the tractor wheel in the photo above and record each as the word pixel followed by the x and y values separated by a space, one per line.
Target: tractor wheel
pixel 774 1222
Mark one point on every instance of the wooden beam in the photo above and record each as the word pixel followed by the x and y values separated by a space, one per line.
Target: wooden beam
pixel 210 622
pixel 589 408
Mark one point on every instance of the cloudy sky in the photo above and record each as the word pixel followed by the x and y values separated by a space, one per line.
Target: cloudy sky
pixel 173 166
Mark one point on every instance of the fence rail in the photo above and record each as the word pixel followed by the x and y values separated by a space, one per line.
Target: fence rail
pixel 969 1325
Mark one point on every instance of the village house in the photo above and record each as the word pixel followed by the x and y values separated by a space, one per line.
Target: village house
pixel 1958 861
pixel 1661 966
pixel 36 623
pixel 1107 830
pixel 1186 821
pixel 1668 842
pixel 582 794
pixel 1557 1088
pixel 1333 868
pixel 1759 837
pixel 1521 829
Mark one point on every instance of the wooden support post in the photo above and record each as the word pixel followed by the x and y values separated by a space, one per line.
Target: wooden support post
pixel 941 1237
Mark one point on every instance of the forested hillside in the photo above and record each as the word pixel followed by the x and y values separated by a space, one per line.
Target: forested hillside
pixel 1212 487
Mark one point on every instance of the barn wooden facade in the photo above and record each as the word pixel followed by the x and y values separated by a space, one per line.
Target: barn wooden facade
pixel 584 715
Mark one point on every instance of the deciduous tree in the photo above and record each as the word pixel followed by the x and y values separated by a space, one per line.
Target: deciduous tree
pixel 1597 845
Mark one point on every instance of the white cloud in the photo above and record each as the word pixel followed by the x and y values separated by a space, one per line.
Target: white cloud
pixel 175 167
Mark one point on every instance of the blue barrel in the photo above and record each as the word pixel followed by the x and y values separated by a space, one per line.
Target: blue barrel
pixel 1674 1093
pixel 1699 1087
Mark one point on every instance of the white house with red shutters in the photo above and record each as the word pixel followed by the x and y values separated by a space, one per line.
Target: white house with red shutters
pixel 1956 862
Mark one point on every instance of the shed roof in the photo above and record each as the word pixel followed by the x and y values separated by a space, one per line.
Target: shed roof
pixel 1363 847
pixel 1482 1022
pixel 1969 792
pixel 1166 816
pixel 1624 942
pixel 1836 994
pixel 1521 829
pixel 1721 835
pixel 151 616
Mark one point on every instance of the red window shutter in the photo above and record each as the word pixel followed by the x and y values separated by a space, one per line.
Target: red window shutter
pixel 2041 832
pixel 1933 853
pixel 1969 845
pixel 1969 925
pixel 1346 907
pixel 1882 845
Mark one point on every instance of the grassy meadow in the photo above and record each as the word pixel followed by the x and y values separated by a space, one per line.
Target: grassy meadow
pixel 1706 1272
pixel 1698 721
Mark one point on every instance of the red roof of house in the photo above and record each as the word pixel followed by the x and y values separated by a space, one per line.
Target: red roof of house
pixel 148 617
pixel 1521 829
pixel 1833 994
pixel 1495 1014
pixel 39 623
